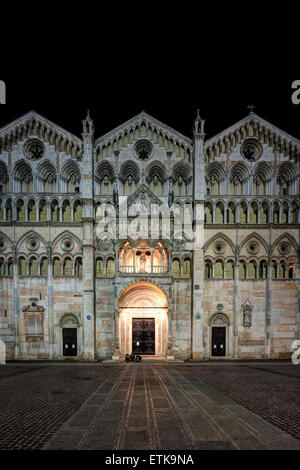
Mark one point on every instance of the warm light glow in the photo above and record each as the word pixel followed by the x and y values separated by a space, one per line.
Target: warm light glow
pixel 143 300
pixel 143 259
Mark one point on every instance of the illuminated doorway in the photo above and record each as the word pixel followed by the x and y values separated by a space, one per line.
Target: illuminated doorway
pixel 143 319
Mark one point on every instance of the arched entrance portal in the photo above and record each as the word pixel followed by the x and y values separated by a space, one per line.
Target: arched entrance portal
pixel 143 320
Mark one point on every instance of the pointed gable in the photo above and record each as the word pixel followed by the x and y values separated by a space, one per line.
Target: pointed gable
pixel 252 126
pixel 33 124
pixel 143 126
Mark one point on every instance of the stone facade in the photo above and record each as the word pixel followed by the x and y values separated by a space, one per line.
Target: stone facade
pixel 69 288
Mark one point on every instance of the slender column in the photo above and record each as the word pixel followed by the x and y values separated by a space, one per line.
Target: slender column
pixel 198 320
pixel 235 306
pixel 88 246
pixel 50 302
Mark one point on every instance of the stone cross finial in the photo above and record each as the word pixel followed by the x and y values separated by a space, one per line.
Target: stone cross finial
pixel 251 107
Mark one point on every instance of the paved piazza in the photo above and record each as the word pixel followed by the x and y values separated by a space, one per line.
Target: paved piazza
pixel 170 406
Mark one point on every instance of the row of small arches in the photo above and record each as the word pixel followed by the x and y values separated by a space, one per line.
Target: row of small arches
pixel 31 266
pixel 41 211
pixel 221 269
pixel 251 213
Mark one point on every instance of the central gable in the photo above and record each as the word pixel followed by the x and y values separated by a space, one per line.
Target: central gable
pixel 140 125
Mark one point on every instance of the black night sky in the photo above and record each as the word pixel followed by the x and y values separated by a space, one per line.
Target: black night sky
pixel 170 97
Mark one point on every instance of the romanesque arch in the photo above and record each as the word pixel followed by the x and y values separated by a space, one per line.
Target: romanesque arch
pixel 138 303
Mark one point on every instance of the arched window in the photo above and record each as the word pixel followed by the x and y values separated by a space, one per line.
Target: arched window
pixel 291 271
pixel 231 213
pixel 294 214
pixel 99 268
pixel 57 267
pixel 208 213
pixel 186 268
pixel 180 187
pixel 252 270
pixel 54 211
pixel 264 213
pixel 274 270
pixel 243 213
pixel 77 211
pixel 285 214
pixel 21 217
pixel 276 213
pixel 208 270
pixel 253 213
pixel 282 270
pixel 10 268
pixel 230 270
pixel 263 270
pixel 129 185
pixel 78 267
pixel 31 211
pixel 66 211
pixel 219 269
pixel 44 267
pixel 219 219
pixel 176 268
pixel 68 267
pixel 156 186
pixel 8 211
pixel 42 211
pixel 110 268
pixel 242 269
pixel 22 265
pixel 33 267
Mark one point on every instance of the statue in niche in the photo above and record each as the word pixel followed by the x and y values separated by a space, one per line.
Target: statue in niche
pixel 247 316
pixel 142 263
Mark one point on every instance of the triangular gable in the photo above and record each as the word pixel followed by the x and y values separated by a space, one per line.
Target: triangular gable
pixel 34 116
pixel 252 117
pixel 137 121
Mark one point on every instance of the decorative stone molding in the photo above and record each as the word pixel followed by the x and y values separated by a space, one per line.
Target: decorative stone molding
pixel 33 321
pixel 247 310
pixel 219 319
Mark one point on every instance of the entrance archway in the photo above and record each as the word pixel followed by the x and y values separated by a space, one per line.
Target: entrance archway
pixel 143 320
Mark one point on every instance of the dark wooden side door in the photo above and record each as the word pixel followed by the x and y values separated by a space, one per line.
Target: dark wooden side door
pixel 70 341
pixel 219 341
pixel 143 336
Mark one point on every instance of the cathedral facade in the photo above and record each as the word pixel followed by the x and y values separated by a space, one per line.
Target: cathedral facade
pixel 147 241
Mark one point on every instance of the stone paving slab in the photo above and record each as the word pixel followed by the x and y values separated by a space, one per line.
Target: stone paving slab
pixel 150 406
pixel 160 409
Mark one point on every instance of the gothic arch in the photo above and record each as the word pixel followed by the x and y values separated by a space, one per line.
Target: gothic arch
pixel 45 169
pixel 215 237
pixel 289 237
pixel 3 235
pixel 156 168
pixel 105 169
pixel 182 169
pixel 215 170
pixel 239 171
pixel 129 168
pixel 31 233
pixel 264 171
pixel 287 171
pixel 22 169
pixel 258 237
pixel 63 235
